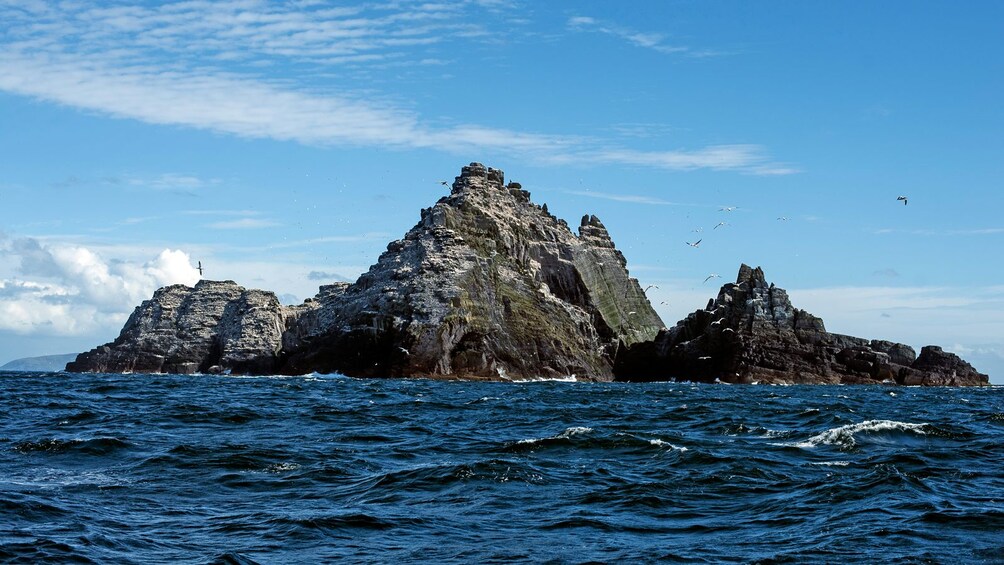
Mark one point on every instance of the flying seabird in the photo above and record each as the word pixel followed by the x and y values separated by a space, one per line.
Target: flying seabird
pixel 200 268
pixel 695 244
pixel 632 313
pixel 405 351
pixel 718 322
pixel 705 358
pixel 650 286
pixel 698 230
pixel 783 219
pixel 444 183
pixel 720 224
pixel 903 198
pixel 727 209
pixel 712 276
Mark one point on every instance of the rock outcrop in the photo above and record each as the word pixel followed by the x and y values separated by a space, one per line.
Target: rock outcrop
pixel 486 285
pixel 214 327
pixel 752 333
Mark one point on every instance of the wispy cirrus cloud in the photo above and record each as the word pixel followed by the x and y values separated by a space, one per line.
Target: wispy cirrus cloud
pixel 243 224
pixel 941 232
pixel 647 40
pixel 629 198
pixel 197 64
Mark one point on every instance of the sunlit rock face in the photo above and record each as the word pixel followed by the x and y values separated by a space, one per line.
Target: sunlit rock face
pixel 212 327
pixel 751 333
pixel 487 285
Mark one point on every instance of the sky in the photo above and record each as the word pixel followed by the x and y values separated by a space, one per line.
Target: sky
pixel 284 144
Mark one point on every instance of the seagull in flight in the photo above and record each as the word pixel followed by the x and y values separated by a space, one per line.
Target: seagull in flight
pixel 727 209
pixel 782 218
pixel 720 224
pixel 200 268
pixel 444 183
pixel 705 358
pixel 903 198
pixel 718 322
pixel 698 230
pixel 695 244
pixel 403 350
pixel 712 276
pixel 650 286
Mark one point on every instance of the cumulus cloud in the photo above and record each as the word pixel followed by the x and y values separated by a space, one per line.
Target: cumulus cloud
pixel 326 276
pixel 71 290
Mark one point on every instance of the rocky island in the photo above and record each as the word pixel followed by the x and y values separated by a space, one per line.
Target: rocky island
pixel 751 333
pixel 489 285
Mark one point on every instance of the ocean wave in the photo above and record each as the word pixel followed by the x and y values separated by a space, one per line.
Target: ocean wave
pixel 94 446
pixel 568 379
pixel 845 437
pixel 568 433
pixel 666 444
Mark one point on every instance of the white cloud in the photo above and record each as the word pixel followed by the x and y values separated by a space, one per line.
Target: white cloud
pixel 160 65
pixel 243 224
pixel 654 41
pixel 630 198
pixel 71 290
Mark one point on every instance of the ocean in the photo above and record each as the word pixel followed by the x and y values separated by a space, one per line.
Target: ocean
pixel 213 469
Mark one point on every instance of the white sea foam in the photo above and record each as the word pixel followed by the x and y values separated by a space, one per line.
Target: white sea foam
pixel 844 435
pixel 569 432
pixel 568 379
pixel 832 463
pixel 666 444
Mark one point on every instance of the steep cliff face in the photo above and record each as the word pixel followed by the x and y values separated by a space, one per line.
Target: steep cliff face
pixel 215 326
pixel 486 285
pixel 752 333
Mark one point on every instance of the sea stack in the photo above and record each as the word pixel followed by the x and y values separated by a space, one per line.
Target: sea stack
pixel 751 333
pixel 487 285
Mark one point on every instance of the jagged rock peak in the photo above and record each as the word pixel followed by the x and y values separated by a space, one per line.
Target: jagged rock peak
pixel 477 176
pixel 752 277
pixel 752 333
pixel 487 284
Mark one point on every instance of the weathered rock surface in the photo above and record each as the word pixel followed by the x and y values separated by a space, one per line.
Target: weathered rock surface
pixel 487 285
pixel 752 333
pixel 215 326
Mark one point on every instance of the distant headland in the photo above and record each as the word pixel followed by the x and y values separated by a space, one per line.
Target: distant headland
pixel 490 286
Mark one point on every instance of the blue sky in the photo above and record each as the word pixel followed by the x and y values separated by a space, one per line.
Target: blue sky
pixel 284 144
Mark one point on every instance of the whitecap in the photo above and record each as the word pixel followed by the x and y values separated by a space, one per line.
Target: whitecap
pixel 569 432
pixel 666 444
pixel 832 463
pixel 568 379
pixel 844 435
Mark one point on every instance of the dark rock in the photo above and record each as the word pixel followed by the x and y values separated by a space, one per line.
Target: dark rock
pixel 935 367
pixel 487 285
pixel 752 333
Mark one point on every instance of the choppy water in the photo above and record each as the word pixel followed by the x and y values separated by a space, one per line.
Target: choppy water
pixel 163 468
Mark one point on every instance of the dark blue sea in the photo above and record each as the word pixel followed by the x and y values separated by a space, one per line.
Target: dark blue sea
pixel 209 469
